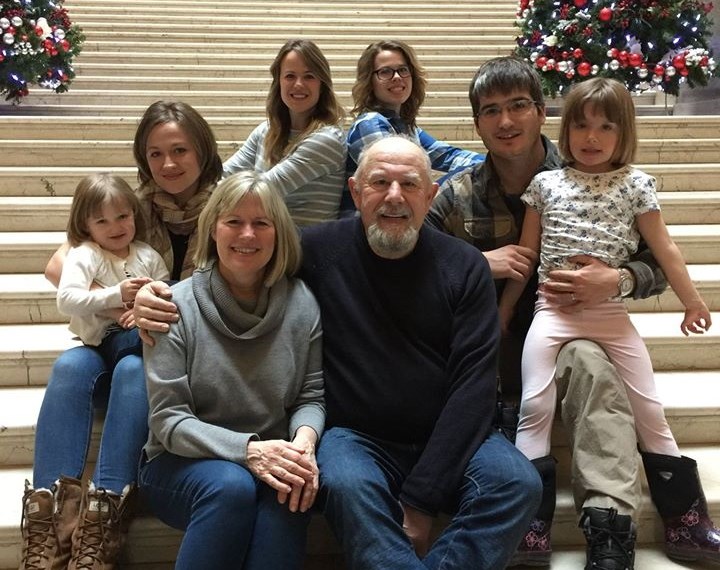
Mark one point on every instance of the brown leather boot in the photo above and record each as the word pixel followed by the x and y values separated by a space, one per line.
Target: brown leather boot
pixel 48 521
pixel 100 534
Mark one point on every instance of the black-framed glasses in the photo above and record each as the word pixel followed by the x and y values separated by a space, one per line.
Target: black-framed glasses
pixel 515 108
pixel 387 73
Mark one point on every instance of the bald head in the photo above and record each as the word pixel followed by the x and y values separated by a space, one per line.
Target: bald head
pixel 393 189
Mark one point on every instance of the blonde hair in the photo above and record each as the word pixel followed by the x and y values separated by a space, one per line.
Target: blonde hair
pixel 363 92
pixel 612 99
pixel 193 125
pixel 287 255
pixel 91 194
pixel 328 110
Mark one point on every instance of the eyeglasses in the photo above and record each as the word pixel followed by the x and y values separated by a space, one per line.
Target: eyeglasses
pixel 387 73
pixel 515 108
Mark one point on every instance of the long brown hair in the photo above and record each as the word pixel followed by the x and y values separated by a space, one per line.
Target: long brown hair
pixel 363 93
pixel 328 110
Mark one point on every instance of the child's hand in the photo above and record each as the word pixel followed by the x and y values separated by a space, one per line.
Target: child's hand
pixel 130 287
pixel 127 319
pixel 697 320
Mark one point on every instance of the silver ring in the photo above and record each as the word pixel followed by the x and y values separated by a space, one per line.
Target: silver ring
pixel 572 297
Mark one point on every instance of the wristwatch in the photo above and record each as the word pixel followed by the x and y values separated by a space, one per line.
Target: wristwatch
pixel 626 282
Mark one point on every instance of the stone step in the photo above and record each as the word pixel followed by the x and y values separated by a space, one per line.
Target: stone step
pixel 270 42
pixel 358 12
pixel 58 105
pixel 29 350
pixel 28 252
pixel 83 127
pixel 683 179
pixel 151 542
pixel 375 5
pixel 69 152
pixel 691 401
pixel 30 298
pixel 41 213
pixel 341 84
pixel 307 26
pixel 340 69
pixel 268 50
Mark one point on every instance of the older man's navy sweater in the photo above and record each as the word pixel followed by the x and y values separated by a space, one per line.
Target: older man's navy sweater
pixel 409 348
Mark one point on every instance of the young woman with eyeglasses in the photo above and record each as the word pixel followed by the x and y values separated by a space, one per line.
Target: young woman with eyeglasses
pixel 388 92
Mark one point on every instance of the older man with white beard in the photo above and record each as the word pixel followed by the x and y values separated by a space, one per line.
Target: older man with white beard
pixel 410 341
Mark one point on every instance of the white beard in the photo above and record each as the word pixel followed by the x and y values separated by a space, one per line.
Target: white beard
pixel 391 245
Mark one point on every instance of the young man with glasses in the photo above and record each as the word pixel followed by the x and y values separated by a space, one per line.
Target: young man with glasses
pixel 482 206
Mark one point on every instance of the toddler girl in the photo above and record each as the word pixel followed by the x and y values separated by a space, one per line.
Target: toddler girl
pixel 105 266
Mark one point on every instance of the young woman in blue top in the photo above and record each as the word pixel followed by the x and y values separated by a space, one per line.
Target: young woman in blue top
pixel 388 92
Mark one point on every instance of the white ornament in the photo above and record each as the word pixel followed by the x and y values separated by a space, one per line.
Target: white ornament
pixel 4 23
pixel 562 66
pixel 9 39
pixel 670 71
pixel 60 34
pixel 614 65
pixel 550 40
pixel 594 70
pixel 17 21
pixel 642 72
pixel 42 23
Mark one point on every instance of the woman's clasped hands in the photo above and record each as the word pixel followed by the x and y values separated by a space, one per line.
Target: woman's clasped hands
pixel 288 467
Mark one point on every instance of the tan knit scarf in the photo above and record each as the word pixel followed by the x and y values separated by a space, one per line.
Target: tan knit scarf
pixel 162 215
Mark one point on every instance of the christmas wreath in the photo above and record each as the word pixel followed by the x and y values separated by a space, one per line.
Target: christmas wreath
pixel 646 44
pixel 38 44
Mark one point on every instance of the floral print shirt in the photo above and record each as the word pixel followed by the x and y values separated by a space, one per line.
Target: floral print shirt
pixel 591 214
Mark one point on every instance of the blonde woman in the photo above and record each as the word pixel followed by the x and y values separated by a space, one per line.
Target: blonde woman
pixel 236 391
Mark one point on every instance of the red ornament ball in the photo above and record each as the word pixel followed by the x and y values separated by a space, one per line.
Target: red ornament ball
pixel 605 14
pixel 580 3
pixel 679 62
pixel 659 70
pixel 584 68
pixel 541 61
pixel 635 59
pixel 578 53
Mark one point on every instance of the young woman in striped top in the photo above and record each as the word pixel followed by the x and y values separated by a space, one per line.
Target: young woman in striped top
pixel 300 148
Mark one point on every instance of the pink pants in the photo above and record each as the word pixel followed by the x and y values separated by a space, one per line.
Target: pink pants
pixel 607 324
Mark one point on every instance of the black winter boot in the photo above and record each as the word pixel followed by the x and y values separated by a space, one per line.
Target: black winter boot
pixel 535 548
pixel 610 539
pixel 678 495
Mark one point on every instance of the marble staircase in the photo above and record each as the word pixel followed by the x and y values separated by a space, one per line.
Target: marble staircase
pixel 215 55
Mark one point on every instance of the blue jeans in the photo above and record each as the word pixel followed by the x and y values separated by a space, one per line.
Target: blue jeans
pixel 81 380
pixel 361 478
pixel 230 518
